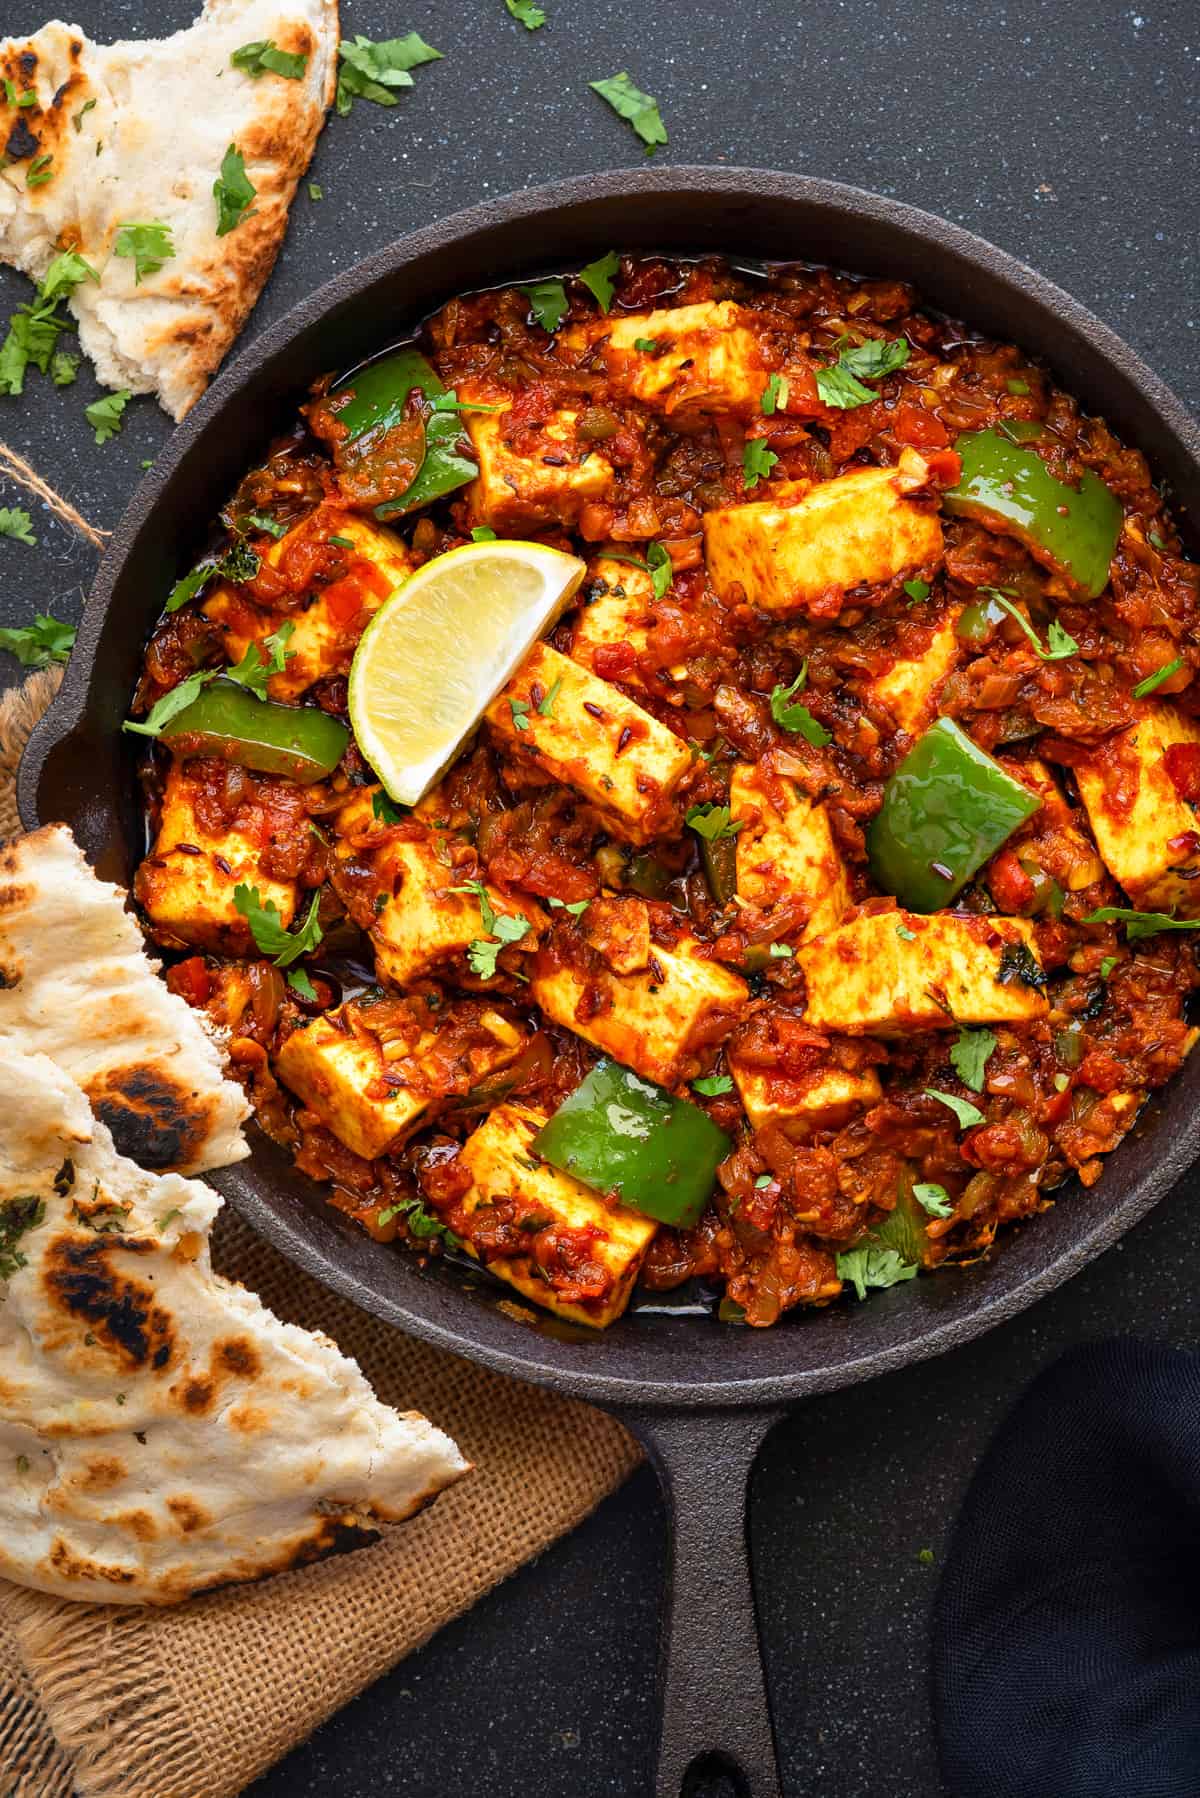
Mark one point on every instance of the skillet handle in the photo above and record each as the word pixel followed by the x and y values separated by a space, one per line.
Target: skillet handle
pixel 715 1714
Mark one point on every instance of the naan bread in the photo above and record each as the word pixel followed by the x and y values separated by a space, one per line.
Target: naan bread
pixel 160 115
pixel 77 985
pixel 161 1432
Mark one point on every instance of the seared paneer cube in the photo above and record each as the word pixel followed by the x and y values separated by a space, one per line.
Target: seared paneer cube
pixel 824 1099
pixel 615 601
pixel 785 849
pixel 891 972
pixel 186 884
pixel 425 929
pixel 660 1020
pixel 687 361
pixel 910 688
pixel 579 730
pixel 373 1088
pixel 1146 833
pixel 367 565
pixel 547 481
pixel 557 1242
pixel 806 547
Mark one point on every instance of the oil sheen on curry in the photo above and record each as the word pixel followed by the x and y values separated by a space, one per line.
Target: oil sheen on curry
pixel 816 896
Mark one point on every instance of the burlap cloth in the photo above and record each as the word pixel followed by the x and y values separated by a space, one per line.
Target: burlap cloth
pixel 116 1702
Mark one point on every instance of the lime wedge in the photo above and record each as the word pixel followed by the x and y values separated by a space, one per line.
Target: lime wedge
pixel 440 649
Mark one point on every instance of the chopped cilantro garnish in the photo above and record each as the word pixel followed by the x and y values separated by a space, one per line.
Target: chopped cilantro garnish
pixel 106 415
pixel 16 524
pixel 272 938
pixel 171 704
pixel 597 277
pixel 797 718
pixel 265 57
pixel 17 1217
pixel 933 1198
pixel 548 303
pixel 780 951
pixel 712 822
pixel 872 1267
pixel 769 397
pixel 315 191
pixel 917 591
pixel 149 246
pixel 966 1113
pixel 233 191
pixel 629 103
pixel 1059 643
pixel 34 328
pixel 520 713
pixel 757 461
pixel 255 670
pixel 385 808
pixel 1140 923
pixel 373 71
pixel 526 13
pixel 38 644
pixel 713 1085
pixel 841 384
pixel 969 1056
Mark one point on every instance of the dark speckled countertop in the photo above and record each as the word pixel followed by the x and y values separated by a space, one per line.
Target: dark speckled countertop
pixel 1069 136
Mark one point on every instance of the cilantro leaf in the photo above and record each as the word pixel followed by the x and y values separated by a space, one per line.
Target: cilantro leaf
pixel 420 1222
pixel 526 13
pixel 265 56
pixel 797 717
pixel 64 275
pixel 35 327
pixel 17 1217
pixel 16 524
pixel 548 303
pixel 873 1267
pixel 629 103
pixel 239 564
pixel 597 277
pixel 917 591
pixel 757 461
pixel 255 670
pixel 662 569
pixel 841 384
pixel 969 1056
pixel 233 191
pixel 38 644
pixel 1059 644
pixel 64 366
pixel 712 822
pixel 486 911
pixel 713 1085
pixel 384 807
pixel 267 926
pixel 171 704
pixel 576 907
pixel 967 1114
pixel 271 527
pixel 299 981
pixel 373 71
pixel 1157 678
pixel 934 1199
pixel 1140 923
pixel 150 245
pixel 105 415
pixel 769 398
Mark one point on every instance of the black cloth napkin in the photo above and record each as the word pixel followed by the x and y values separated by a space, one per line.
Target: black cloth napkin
pixel 1066 1635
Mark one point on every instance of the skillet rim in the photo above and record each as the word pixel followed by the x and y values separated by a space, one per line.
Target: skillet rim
pixel 431 1309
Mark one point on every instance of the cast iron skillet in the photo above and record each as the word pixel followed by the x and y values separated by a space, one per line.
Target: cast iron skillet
pixel 700 1397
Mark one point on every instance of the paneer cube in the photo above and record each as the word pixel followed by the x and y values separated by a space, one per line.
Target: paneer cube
pixel 785 849
pixel 615 601
pixel 325 633
pixel 823 1100
pixel 706 358
pixel 660 1021
pixel 591 737
pixel 424 928
pixel 892 972
pixel 372 1098
pixel 583 1255
pixel 547 485
pixel 1146 833
pixel 186 883
pixel 911 687
pixel 806 547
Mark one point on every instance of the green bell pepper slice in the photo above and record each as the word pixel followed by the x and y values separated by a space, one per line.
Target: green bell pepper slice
pixel 299 743
pixel 947 808
pixel 1072 530
pixel 378 394
pixel 623 1135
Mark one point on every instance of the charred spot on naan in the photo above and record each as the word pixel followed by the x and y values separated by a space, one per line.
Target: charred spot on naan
pixel 63 1561
pixel 155 1120
pixel 81 1279
pixel 188 1515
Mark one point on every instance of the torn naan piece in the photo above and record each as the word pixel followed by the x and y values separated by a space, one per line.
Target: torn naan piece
pixel 77 985
pixel 161 1431
pixel 135 133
